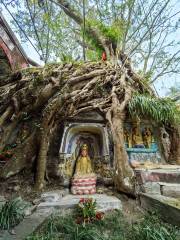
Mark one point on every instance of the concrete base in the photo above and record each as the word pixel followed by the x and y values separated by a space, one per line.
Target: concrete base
pixel 104 202
pixel 168 208
pixel 170 189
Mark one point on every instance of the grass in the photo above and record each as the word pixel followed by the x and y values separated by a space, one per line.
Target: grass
pixel 112 227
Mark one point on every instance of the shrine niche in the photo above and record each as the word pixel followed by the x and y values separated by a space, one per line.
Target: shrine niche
pixel 141 142
pixel 92 133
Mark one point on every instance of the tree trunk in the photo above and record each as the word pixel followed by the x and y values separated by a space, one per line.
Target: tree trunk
pixel 123 173
pixel 41 163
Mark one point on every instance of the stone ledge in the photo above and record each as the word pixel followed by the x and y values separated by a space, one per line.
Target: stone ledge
pixel 164 206
pixel 104 202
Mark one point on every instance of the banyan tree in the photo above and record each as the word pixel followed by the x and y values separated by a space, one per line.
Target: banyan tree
pixel 36 104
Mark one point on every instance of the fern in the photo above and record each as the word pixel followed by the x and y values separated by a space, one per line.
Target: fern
pixel 161 110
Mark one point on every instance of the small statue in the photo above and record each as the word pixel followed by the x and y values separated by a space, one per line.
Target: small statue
pixel 83 164
pixel 127 138
pixel 137 140
pixel 147 137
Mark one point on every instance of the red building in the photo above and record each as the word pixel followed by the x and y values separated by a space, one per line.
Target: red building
pixel 12 55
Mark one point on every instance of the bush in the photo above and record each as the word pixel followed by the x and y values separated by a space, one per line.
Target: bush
pixel 12 213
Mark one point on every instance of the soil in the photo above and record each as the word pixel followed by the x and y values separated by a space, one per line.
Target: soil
pixel 23 185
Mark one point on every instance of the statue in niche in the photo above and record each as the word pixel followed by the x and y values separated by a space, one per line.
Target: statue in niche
pixel 84 179
pixel 147 137
pixel 83 164
pixel 137 140
pixel 127 138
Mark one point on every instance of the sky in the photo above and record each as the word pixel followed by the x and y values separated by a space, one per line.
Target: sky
pixel 161 86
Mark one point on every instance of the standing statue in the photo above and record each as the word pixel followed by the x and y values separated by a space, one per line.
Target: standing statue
pixel 147 137
pixel 137 140
pixel 83 165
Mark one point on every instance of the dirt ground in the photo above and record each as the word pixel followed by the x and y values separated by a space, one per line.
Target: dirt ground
pixel 23 185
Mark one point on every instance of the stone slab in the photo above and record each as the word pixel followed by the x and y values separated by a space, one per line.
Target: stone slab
pixel 168 174
pixel 104 202
pixel 170 190
pixel 151 188
pixel 168 208
pixel 54 196
pixel 28 225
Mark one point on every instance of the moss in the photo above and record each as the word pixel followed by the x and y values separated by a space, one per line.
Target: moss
pixel 113 33
pixel 173 202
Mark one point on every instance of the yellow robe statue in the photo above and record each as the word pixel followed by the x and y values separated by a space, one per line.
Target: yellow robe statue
pixel 83 165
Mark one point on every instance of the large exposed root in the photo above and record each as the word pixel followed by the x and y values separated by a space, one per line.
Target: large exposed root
pixel 59 91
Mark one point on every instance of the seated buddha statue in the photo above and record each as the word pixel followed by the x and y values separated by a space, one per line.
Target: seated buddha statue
pixel 83 164
pixel 84 180
pixel 137 140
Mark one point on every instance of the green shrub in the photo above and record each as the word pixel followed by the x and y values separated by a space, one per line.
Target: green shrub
pixel 12 213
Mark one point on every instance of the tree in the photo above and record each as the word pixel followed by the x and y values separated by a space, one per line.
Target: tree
pixel 47 96
pixel 44 27
pixel 145 31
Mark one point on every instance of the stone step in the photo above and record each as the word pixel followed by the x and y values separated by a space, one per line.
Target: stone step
pixel 170 189
pixel 167 207
pixel 161 188
pixel 170 174
pixel 104 202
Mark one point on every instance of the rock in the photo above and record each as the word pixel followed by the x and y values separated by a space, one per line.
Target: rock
pixel 54 196
pixel 37 201
pixel 28 211
pixel 16 188
pixel 12 232
pixel 151 187
pixel 171 190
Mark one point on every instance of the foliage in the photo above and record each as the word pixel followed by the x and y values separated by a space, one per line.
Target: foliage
pixel 112 32
pixel 86 211
pixel 65 228
pixel 153 229
pixel 112 227
pixel 86 208
pixel 12 213
pixel 145 30
pixel 162 110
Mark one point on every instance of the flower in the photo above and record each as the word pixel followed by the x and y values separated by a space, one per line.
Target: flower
pixel 82 200
pixel 99 215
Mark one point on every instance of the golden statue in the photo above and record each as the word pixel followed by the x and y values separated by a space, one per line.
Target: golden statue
pixel 137 140
pixel 83 164
pixel 147 137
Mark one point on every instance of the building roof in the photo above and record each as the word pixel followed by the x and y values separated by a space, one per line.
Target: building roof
pixel 14 39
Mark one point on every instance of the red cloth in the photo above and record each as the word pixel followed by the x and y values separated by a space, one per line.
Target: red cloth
pixel 104 57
